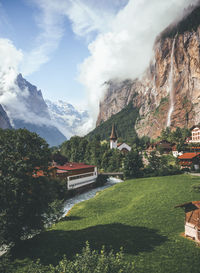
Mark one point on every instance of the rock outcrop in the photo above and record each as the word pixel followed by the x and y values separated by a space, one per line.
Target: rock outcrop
pixel 169 92
pixel 4 120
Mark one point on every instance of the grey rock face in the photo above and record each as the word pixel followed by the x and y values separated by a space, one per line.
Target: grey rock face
pixel 4 120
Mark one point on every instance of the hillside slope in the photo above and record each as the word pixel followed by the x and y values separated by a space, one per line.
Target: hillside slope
pixel 124 121
pixel 138 215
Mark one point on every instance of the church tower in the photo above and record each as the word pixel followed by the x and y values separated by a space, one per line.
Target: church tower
pixel 113 138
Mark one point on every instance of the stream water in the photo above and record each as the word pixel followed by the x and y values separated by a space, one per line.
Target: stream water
pixel 88 195
pixel 77 199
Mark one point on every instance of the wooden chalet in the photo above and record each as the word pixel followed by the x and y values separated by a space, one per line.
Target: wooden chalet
pixel 188 159
pixel 162 145
pixel 192 219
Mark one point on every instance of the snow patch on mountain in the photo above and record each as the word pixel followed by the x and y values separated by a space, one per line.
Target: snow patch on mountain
pixel 67 118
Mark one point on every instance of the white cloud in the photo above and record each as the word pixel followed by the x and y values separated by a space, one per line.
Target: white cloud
pixel 126 49
pixel 10 59
pixel 51 30
pixel 11 96
pixel 86 16
pixel 125 34
pixel 122 47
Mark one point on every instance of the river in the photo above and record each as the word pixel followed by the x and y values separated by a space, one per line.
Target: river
pixel 88 195
pixel 80 198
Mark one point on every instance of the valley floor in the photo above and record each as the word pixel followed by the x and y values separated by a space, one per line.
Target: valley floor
pixel 138 215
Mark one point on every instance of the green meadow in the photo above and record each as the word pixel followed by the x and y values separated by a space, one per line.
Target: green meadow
pixel 138 215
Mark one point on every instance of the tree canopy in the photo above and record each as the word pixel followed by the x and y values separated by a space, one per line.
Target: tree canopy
pixel 25 198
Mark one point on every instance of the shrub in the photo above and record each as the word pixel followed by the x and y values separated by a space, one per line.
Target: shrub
pixel 101 180
pixel 88 261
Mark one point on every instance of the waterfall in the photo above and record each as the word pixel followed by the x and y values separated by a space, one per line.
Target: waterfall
pixel 171 85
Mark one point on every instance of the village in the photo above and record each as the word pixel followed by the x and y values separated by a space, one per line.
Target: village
pixel 79 174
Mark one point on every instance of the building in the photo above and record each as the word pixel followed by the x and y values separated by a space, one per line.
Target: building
pixel 162 146
pixel 195 131
pixel 77 174
pixel 175 151
pixel 123 147
pixel 113 138
pixel 188 159
pixel 192 219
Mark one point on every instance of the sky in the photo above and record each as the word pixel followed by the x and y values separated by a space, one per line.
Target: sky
pixel 70 48
pixel 65 47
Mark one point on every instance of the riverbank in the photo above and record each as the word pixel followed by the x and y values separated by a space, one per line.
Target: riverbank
pixel 88 194
pixel 138 215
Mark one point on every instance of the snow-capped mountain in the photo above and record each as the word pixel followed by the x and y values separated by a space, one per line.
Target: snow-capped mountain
pixel 22 106
pixel 66 118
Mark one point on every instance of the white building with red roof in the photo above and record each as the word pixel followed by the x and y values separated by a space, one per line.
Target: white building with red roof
pixel 188 159
pixel 77 174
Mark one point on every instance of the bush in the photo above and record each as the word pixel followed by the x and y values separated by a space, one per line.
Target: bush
pixel 101 180
pixel 88 261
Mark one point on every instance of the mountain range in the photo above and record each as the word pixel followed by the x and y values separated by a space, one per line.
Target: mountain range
pixel 54 121
pixel 167 94
pixel 67 119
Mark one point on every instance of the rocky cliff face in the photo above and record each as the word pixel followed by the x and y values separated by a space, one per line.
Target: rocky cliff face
pixel 4 120
pixel 169 92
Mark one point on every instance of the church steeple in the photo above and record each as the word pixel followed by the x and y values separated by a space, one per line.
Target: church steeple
pixel 113 135
pixel 113 138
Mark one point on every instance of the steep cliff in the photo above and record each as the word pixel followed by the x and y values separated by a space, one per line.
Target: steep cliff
pixel 169 92
pixel 4 120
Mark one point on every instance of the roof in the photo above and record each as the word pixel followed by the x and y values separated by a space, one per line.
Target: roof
pixel 193 204
pixel 188 155
pixel 61 171
pixel 74 166
pixel 195 127
pixel 113 135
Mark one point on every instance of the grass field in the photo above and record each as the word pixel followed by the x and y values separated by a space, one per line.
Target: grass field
pixel 138 215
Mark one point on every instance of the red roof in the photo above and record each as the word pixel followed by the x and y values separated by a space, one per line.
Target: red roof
pixel 61 171
pixel 74 166
pixel 188 155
